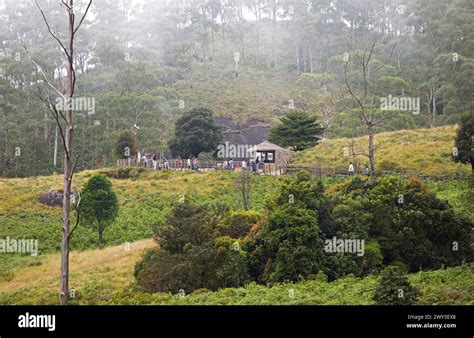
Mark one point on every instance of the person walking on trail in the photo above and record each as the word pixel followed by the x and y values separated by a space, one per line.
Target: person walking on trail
pixel 153 161
pixel 367 170
pixel 188 163
pixel 145 161
pixel 225 165
pixel 166 165
pixel 351 169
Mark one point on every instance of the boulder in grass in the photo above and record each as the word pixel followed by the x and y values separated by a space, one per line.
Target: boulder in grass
pixel 54 197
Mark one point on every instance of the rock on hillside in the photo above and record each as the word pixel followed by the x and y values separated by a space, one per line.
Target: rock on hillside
pixel 251 131
pixel 54 197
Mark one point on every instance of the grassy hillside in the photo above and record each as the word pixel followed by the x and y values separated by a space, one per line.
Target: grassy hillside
pixel 105 274
pixel 106 277
pixel 254 93
pixel 426 150
pixel 143 201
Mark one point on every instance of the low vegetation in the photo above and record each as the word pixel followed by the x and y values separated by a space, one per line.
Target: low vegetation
pixel 105 276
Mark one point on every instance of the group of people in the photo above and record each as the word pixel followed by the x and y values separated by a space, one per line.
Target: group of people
pixel 192 163
pixel 155 163
pixel 351 170
pixel 253 165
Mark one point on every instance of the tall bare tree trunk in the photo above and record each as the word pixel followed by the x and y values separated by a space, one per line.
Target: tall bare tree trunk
pixel 67 164
pixel 365 98
pixel 212 41
pixel 274 14
pixel 241 20
pixel 257 40
pixel 46 129
pixel 66 135
pixel 55 154
pixel 206 48
pixel 370 132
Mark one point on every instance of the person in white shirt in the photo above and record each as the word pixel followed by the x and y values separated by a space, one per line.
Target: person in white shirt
pixel 351 169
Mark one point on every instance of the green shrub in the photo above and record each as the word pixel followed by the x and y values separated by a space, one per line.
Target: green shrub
pixel 186 224
pixel 231 260
pixel 191 256
pixel 161 271
pixel 123 173
pixel 372 259
pixel 288 247
pixel 237 223
pixel 394 288
pixel 408 221
pixel 99 204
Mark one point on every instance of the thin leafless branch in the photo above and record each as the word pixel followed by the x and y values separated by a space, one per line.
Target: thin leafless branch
pixel 391 116
pixel 50 31
pixel 78 216
pixel 74 168
pixel 54 112
pixel 83 17
pixel 386 61
pixel 43 73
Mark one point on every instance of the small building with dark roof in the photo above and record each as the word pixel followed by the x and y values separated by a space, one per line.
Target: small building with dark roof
pixel 272 153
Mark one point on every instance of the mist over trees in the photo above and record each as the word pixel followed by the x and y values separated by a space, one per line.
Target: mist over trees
pixel 144 63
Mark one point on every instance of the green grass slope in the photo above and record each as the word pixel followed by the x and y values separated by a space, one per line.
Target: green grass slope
pixel 425 150
pixel 104 275
pixel 255 93
pixel 144 200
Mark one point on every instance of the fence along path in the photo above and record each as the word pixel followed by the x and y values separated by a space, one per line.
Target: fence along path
pixel 285 169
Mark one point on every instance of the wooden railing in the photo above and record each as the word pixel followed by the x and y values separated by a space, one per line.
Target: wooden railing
pixel 278 169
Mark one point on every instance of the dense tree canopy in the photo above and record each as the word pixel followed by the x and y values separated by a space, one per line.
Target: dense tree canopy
pixel 145 64
pixel 464 147
pixel 399 222
pixel 394 288
pixel 195 133
pixel 99 204
pixel 125 145
pixel 297 130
